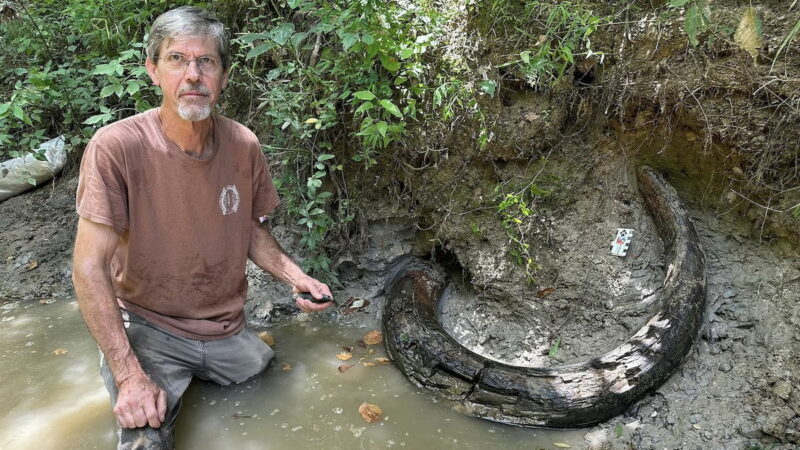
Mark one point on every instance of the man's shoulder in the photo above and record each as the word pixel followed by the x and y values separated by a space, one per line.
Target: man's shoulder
pixel 128 130
pixel 235 131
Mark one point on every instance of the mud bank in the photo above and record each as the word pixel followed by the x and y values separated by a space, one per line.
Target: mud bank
pixel 736 388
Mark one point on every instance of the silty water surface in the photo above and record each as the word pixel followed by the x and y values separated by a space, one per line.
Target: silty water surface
pixel 53 399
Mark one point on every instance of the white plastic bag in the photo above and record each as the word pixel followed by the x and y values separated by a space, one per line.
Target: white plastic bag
pixel 18 170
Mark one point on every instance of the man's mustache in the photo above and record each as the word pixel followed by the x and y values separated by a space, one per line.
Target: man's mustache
pixel 198 88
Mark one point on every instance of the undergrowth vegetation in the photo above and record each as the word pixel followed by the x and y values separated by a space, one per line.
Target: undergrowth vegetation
pixel 333 88
pixel 327 85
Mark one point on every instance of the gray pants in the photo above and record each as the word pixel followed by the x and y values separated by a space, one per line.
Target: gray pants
pixel 171 361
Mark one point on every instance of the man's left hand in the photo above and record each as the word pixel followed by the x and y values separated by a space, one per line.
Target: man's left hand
pixel 317 289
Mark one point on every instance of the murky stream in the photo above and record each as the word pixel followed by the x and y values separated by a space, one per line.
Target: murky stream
pixel 53 396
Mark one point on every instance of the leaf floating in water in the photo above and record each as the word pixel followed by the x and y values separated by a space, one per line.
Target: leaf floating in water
pixel 47 301
pixel 367 363
pixel 561 445
pixel 345 367
pixel 32 265
pixel 267 338
pixel 286 367
pixel 344 356
pixel 373 337
pixel 59 351
pixel 382 360
pixel 371 413
pixel 545 292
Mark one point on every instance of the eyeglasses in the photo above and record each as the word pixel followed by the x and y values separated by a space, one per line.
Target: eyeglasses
pixel 178 62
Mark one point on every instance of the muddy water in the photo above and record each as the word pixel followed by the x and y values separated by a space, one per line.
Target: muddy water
pixel 53 399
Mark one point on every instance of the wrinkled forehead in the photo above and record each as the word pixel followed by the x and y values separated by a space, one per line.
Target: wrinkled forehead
pixel 190 44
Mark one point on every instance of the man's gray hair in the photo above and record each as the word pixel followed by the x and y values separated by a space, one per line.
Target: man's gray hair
pixel 188 21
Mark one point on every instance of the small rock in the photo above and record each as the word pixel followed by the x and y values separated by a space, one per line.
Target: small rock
pixel 599 440
pixel 782 389
pixel 694 418
pixel 729 293
pixel 725 367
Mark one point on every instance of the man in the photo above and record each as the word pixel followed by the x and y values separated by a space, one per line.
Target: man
pixel 170 203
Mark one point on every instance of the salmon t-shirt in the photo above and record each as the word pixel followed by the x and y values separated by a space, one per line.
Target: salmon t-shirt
pixel 184 223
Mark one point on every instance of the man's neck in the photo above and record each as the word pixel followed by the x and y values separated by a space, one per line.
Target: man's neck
pixel 189 136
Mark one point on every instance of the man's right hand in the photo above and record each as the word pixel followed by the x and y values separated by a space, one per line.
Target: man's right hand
pixel 140 402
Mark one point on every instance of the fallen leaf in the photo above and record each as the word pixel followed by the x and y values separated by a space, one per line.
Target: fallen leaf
pixel 367 363
pixel 696 426
pixel 371 413
pixel 286 367
pixel 382 360
pixel 344 356
pixel 561 445
pixel 373 337
pixel 371 351
pixel 47 301
pixel 267 338
pixel 748 33
pixel 59 351
pixel 32 265
pixel 545 292
pixel 347 349
pixel 345 367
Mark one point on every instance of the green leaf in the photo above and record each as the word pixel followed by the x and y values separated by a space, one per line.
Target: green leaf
pixel 692 24
pixel 567 54
pixel 390 63
pixel 97 118
pixel 406 53
pixel 389 106
pixel 104 69
pixel 252 37
pixel 488 86
pixel 298 38
pixel 618 430
pixel 108 90
pixel 4 107
pixel 18 113
pixel 525 57
pixel 282 33
pixel 366 106
pixel 364 95
pixel 348 39
pixel 259 49
pixel 554 348
pixel 382 126
pixel 325 157
pixel 132 88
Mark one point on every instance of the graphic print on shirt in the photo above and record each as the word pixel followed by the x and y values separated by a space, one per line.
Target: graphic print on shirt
pixel 229 200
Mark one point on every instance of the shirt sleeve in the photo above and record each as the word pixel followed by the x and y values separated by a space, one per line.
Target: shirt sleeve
pixel 102 195
pixel 265 196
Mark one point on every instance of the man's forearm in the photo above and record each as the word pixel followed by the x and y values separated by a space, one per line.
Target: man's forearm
pixel 267 254
pixel 101 314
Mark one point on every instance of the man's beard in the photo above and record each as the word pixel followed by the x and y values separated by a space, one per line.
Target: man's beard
pixel 194 112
